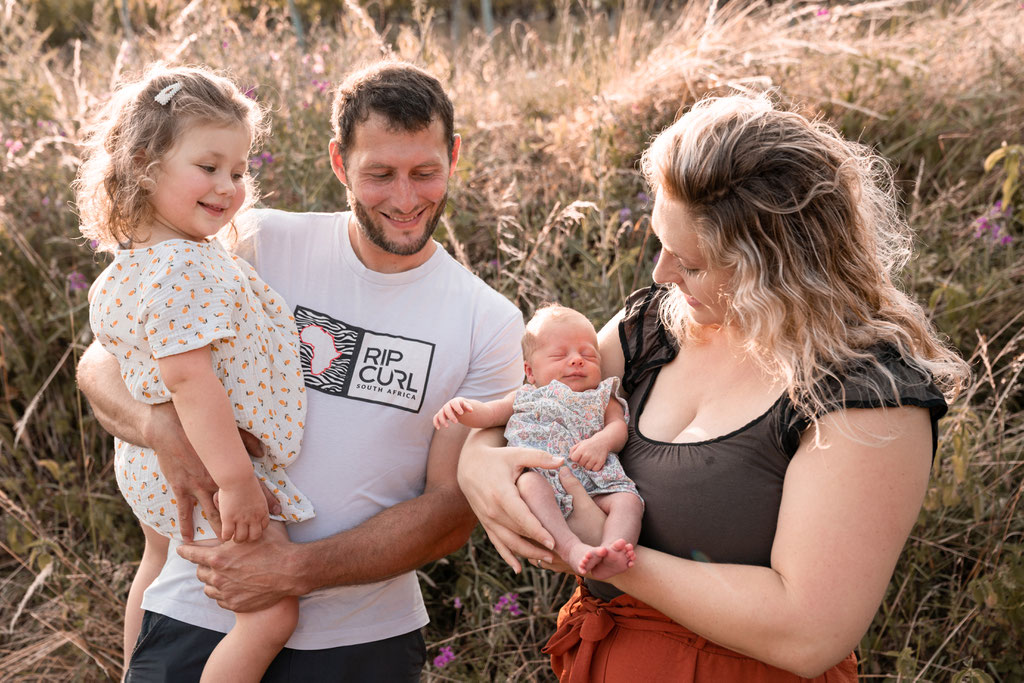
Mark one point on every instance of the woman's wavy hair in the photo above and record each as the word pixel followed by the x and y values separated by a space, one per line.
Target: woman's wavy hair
pixel 134 131
pixel 809 226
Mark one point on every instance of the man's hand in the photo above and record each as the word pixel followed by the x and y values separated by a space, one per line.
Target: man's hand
pixel 185 472
pixel 182 468
pixel 590 453
pixel 249 576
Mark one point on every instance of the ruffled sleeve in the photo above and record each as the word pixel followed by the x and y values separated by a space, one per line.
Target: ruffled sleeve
pixel 646 344
pixel 866 385
pixel 187 301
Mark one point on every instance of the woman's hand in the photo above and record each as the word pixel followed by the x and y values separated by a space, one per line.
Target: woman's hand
pixel 487 474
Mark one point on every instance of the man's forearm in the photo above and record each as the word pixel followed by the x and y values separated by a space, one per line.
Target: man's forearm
pixel 99 378
pixel 399 539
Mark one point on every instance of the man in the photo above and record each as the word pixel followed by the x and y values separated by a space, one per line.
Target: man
pixel 391 328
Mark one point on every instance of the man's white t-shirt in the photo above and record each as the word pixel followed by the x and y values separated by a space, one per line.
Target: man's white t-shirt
pixel 381 353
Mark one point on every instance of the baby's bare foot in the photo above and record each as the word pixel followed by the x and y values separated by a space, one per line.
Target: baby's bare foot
pixel 584 558
pixel 620 556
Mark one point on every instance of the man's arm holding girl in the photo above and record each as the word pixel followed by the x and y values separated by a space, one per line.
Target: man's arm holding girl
pixel 404 537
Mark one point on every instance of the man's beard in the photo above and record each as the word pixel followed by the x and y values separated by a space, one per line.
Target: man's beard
pixel 374 232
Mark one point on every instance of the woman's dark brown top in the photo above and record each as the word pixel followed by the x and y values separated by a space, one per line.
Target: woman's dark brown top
pixel 718 500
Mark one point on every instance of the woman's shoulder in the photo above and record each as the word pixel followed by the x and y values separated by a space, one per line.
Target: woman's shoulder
pixel 883 377
pixel 646 344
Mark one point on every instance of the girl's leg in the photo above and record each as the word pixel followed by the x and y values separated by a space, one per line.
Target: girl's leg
pixel 153 556
pixel 621 531
pixel 540 498
pixel 247 650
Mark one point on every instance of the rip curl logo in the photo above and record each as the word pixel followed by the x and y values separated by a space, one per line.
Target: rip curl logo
pixel 348 361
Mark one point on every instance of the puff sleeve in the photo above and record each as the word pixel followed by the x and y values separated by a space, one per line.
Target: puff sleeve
pixel 187 302
pixel 646 344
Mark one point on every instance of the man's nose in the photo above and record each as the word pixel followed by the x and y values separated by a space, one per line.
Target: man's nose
pixel 404 197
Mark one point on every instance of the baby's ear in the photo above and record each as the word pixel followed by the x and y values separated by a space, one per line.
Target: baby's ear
pixel 529 371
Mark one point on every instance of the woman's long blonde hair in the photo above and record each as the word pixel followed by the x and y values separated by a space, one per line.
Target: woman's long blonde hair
pixel 808 223
pixel 132 134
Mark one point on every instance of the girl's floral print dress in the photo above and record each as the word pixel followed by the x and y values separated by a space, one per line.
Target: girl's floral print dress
pixel 553 418
pixel 177 296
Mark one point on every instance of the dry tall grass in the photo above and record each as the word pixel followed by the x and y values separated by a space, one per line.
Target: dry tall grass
pixel 548 204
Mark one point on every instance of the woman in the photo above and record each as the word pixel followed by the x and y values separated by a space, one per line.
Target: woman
pixel 784 395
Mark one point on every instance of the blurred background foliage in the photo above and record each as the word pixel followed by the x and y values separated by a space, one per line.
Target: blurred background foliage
pixel 555 105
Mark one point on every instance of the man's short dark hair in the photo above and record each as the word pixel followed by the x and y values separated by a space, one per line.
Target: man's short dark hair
pixel 404 94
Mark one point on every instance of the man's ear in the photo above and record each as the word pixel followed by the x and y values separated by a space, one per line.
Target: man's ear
pixel 456 144
pixel 337 163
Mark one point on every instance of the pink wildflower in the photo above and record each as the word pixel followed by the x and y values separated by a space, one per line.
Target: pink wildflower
pixel 77 281
pixel 444 658
pixel 509 602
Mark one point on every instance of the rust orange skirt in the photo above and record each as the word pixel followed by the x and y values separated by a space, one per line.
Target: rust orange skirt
pixel 626 640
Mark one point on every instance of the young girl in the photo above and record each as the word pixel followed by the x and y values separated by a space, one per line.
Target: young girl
pixel 165 170
pixel 566 410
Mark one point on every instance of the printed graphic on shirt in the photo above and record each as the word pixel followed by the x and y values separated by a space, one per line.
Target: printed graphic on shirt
pixel 352 362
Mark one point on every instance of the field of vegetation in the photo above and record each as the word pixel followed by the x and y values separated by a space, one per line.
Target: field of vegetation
pixel 547 204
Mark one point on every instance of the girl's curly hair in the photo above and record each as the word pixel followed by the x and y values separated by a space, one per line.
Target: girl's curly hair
pixel 133 132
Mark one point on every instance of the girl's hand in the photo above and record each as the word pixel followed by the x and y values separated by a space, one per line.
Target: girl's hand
pixel 487 476
pixel 243 511
pixel 590 453
pixel 452 410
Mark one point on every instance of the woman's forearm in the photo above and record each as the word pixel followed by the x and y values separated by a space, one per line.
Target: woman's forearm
pixel 746 608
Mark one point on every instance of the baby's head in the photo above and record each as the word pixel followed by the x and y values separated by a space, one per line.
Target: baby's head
pixel 561 344
pixel 145 123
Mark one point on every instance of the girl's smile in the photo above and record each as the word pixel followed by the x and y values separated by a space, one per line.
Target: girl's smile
pixel 199 183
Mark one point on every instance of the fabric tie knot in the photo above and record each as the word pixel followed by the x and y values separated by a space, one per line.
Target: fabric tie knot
pixel 596 624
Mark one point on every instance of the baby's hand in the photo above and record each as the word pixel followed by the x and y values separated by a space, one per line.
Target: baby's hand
pixel 451 411
pixel 243 511
pixel 589 453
